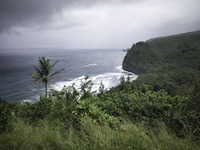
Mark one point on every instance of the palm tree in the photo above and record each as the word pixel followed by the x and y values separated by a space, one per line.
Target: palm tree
pixel 44 73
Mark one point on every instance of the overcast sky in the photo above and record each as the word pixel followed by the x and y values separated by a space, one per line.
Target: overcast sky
pixel 82 24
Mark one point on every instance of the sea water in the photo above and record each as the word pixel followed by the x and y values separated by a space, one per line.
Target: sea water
pixel 16 82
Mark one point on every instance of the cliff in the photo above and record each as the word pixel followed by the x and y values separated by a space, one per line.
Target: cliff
pixel 157 54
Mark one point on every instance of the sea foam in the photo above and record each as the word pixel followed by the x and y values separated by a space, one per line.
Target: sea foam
pixel 109 80
pixel 90 65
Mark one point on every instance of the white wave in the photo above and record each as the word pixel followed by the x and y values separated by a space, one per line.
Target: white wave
pixel 32 99
pixel 109 80
pixel 26 100
pixel 119 68
pixel 90 65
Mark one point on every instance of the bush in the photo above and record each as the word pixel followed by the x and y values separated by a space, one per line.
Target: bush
pixel 7 112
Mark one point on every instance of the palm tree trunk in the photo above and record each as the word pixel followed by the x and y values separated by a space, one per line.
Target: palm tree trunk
pixel 46 89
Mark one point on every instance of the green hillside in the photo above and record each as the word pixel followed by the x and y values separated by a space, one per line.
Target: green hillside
pixel 171 63
pixel 182 50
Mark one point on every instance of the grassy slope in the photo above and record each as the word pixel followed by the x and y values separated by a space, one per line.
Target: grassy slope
pixel 45 135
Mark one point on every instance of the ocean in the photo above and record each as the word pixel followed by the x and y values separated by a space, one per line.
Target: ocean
pixel 17 84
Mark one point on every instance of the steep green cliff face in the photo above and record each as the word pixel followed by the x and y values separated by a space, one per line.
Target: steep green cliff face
pixel 140 58
pixel 161 53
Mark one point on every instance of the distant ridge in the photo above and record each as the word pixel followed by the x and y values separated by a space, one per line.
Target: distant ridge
pixel 175 35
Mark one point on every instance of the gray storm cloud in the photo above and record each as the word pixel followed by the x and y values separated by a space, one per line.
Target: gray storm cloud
pixel 29 12
pixel 93 23
pixel 25 12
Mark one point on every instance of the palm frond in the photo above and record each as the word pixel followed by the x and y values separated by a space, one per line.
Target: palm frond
pixel 54 63
pixel 43 72
pixel 55 73
pixel 38 70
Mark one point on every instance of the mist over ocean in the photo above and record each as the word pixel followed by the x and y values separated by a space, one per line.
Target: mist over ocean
pixel 16 82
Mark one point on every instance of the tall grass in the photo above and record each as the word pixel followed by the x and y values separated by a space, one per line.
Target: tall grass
pixel 90 136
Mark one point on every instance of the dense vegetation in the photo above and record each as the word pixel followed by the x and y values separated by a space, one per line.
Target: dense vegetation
pixel 126 117
pixel 160 110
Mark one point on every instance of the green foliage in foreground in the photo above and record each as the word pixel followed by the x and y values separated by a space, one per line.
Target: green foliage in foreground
pixel 91 136
pixel 126 117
